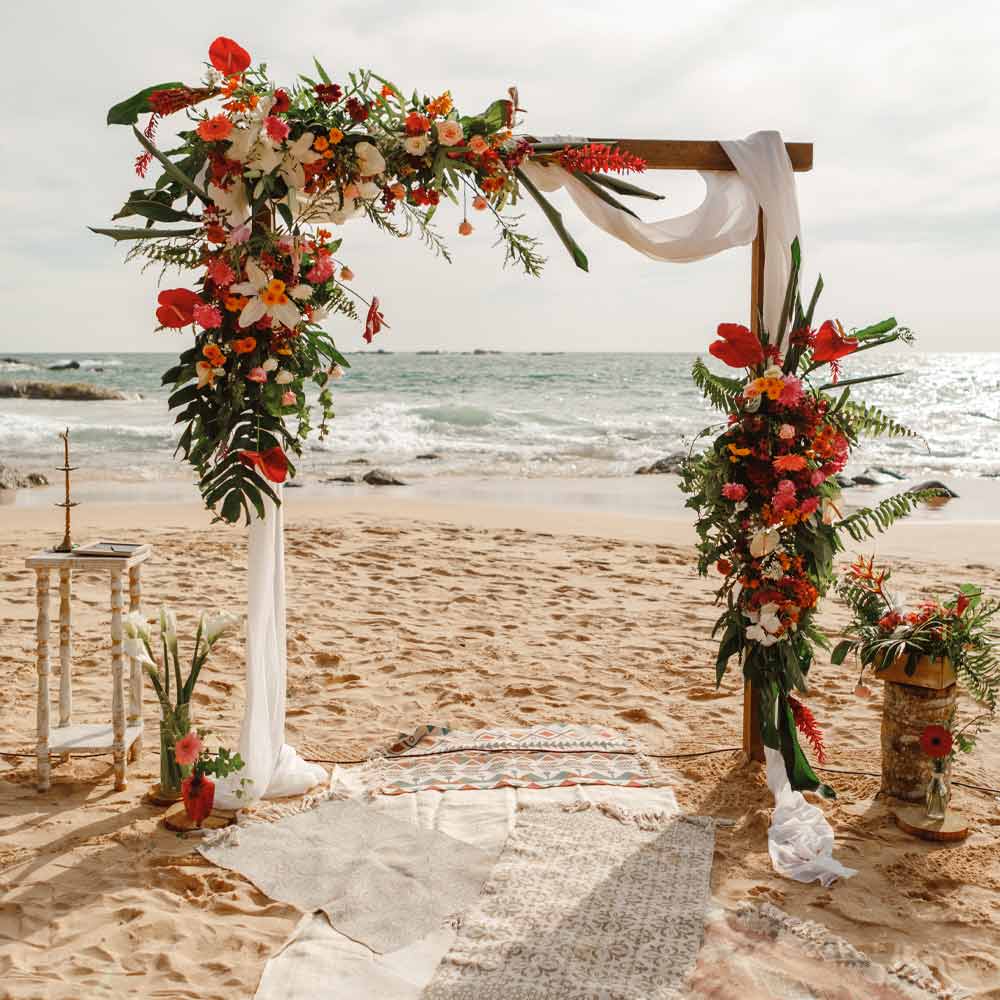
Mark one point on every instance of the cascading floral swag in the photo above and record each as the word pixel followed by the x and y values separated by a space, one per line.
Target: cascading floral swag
pixel 243 198
pixel 769 508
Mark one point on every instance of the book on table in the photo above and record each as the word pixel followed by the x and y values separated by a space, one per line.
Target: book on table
pixel 105 548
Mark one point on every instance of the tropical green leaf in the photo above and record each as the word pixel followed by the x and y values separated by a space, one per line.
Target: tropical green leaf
pixel 132 233
pixel 595 189
pixel 619 186
pixel 127 112
pixel 171 168
pixel 555 219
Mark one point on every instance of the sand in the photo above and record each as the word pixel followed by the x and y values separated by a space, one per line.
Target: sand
pixel 403 612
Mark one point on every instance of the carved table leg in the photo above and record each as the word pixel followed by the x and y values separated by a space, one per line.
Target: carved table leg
pixel 65 651
pixel 135 675
pixel 42 633
pixel 117 679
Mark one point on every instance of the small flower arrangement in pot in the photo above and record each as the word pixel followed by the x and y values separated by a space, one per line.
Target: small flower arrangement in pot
pixel 197 788
pixel 888 634
pixel 921 650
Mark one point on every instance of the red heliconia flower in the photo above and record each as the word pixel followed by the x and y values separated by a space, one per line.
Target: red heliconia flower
pixel 806 724
pixel 282 102
pixel 962 603
pixel 143 160
pixel 166 102
pixel 831 343
pixel 272 463
pixel 738 348
pixel 373 322
pixel 198 794
pixel 228 57
pixel 177 307
pixel 596 158
pixel 936 741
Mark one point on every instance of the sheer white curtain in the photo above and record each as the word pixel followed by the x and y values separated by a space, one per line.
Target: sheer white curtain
pixel 800 840
pixel 273 768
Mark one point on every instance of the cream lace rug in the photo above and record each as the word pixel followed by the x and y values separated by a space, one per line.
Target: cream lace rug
pixel 582 905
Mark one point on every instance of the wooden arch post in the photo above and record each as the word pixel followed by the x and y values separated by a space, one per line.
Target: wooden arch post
pixel 679 154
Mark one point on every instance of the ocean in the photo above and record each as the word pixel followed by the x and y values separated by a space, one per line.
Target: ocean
pixel 512 416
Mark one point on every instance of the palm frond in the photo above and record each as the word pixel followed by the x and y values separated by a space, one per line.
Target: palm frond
pixel 869 421
pixel 719 390
pixel 865 523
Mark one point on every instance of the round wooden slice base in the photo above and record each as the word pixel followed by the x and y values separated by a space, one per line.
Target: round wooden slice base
pixel 914 820
pixel 177 819
pixel 156 798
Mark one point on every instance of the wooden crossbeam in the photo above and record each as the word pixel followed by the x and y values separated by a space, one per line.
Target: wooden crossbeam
pixel 685 154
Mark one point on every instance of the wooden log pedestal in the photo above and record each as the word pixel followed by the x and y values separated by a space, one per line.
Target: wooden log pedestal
pixel 124 734
pixel 911 704
pixel 915 821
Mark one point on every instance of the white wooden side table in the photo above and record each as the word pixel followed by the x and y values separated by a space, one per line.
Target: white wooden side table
pixel 122 736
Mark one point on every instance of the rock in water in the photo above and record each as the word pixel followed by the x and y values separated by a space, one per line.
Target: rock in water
pixel 945 492
pixel 379 477
pixel 670 464
pixel 340 479
pixel 431 456
pixel 60 390
pixel 875 477
pixel 70 365
pixel 11 479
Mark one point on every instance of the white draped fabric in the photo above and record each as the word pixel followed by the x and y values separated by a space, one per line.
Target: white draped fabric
pixel 273 768
pixel 800 839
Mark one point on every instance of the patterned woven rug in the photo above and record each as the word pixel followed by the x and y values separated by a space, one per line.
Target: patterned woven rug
pixel 582 907
pixel 433 758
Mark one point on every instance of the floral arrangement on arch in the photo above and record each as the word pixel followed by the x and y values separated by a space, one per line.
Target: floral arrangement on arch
pixel 249 199
pixel 769 512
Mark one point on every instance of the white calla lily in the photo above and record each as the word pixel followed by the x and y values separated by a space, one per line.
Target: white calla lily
pixel 267 297
pixel 298 154
pixel 232 200
pixel 370 160
pixel 764 542
pixel 212 626
pixel 168 628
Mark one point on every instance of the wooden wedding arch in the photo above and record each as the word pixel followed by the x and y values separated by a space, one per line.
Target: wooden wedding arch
pixel 681 154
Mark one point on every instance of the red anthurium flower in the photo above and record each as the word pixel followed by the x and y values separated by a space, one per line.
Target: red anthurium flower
pixel 198 793
pixel 228 57
pixel 832 343
pixel 282 102
pixel 273 463
pixel 738 348
pixel 936 741
pixel 177 307
pixel 962 603
pixel 374 321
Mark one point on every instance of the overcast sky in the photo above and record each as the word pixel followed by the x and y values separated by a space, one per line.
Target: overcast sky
pixel 901 213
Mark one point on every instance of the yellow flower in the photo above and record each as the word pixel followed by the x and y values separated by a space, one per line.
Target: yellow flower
pixel 274 293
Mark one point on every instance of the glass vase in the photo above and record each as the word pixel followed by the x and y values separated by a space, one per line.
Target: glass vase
pixel 173 726
pixel 938 792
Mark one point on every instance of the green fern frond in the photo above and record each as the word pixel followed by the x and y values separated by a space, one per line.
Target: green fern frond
pixel 720 391
pixel 865 523
pixel 870 421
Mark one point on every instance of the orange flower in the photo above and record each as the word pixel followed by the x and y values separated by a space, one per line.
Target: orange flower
pixel 215 129
pixel 320 143
pixel 335 136
pixel 235 303
pixel 244 345
pixel 464 228
pixel 789 463
pixel 440 106
pixel 214 355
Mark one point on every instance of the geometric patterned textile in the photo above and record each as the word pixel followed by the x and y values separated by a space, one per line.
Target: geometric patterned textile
pixel 582 907
pixel 433 758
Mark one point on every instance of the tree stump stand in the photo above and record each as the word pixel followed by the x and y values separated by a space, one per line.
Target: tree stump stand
pixel 907 710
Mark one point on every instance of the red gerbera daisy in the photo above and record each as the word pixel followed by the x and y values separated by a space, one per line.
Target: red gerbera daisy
pixel 936 741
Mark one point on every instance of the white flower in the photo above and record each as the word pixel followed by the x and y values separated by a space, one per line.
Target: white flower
pixel 369 190
pixel 293 162
pixel 773 372
pixel 267 297
pixel 416 145
pixel 284 377
pixel 301 291
pixel 168 628
pixel 774 570
pixel 270 365
pixel 212 626
pixel 336 372
pixel 831 511
pixel 232 200
pixel 135 626
pixel 370 160
pixel 135 630
pixel 764 542
pixel 766 624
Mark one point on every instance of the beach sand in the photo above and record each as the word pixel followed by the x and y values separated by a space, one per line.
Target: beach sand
pixel 402 612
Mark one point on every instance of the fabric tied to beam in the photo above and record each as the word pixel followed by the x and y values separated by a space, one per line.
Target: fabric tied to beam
pixel 726 218
pixel 273 768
